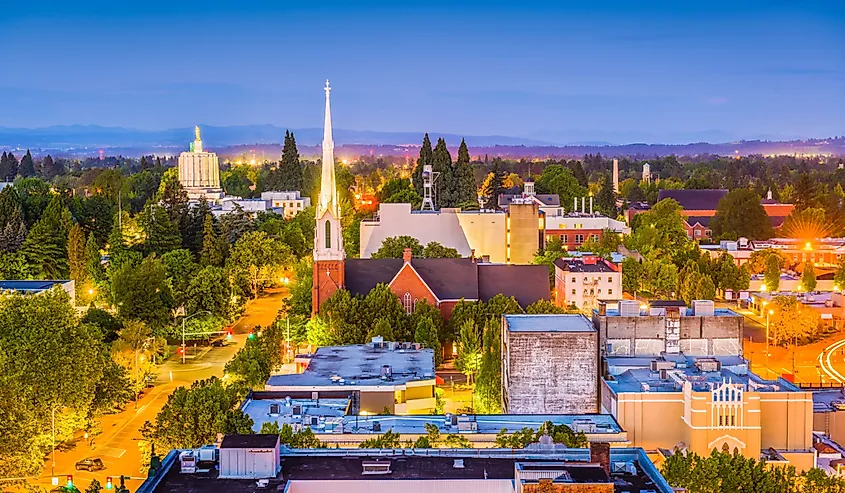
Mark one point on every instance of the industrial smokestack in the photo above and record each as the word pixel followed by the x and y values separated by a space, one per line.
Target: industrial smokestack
pixel 591 205
pixel 582 205
pixel 574 204
pixel 616 176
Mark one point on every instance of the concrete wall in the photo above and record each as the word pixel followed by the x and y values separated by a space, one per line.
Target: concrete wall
pixel 549 372
pixel 646 335
pixel 375 402
pixel 485 233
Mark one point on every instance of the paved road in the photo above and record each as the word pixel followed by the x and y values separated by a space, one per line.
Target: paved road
pixel 117 446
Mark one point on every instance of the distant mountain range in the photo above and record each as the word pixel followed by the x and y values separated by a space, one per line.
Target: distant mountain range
pixel 263 141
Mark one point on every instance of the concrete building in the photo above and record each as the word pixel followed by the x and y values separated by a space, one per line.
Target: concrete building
pixel 398 377
pixel 549 364
pixel 701 404
pixel 634 330
pixel 327 418
pixel 599 469
pixel 38 287
pixel 292 203
pixel 584 281
pixel 829 414
pixel 829 305
pixel 199 172
pixel 824 253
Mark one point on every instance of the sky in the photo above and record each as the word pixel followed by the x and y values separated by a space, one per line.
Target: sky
pixel 561 72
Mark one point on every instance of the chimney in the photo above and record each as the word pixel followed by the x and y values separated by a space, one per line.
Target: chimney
pixel 616 176
pixel 591 205
pixel 582 205
pixel 575 204
pixel 472 254
pixel 769 195
pixel 485 259
pixel 600 454
pixel 406 255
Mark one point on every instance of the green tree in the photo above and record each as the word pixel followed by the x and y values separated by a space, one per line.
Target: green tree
pixel 294 439
pixel 388 440
pixel 543 307
pixel 465 189
pixel 632 272
pixel 342 313
pixel 606 198
pixel 180 269
pixel 142 292
pixel 162 235
pixel 442 163
pixel 394 247
pixel 27 166
pixel 8 167
pixel 658 277
pixel 193 416
pixel 213 247
pixel 789 323
pixel 808 277
pixel 695 285
pixel 560 180
pixel 299 302
pixel 93 257
pixel 740 214
pixel 77 255
pixel 468 360
pixel 46 246
pixel 259 258
pixel 661 230
pixel 426 334
pixel 494 186
pixel 436 250
pixel 381 304
pixel 487 397
pixel 94 487
pixel 772 274
pixel 383 329
pixel 727 275
pixel 289 168
pixel 207 290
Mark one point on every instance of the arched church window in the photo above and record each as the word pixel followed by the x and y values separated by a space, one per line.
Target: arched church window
pixel 328 234
pixel 407 304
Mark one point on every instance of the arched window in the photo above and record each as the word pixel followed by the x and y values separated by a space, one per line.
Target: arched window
pixel 407 303
pixel 328 234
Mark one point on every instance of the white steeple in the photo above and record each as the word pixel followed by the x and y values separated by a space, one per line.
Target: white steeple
pixel 328 187
pixel 328 240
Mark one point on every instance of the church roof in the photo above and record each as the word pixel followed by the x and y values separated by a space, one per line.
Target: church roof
pixel 695 200
pixel 453 279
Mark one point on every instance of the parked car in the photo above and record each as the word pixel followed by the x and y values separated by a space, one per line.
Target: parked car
pixel 90 464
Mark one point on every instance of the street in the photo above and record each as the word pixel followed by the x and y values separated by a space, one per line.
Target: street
pixel 117 446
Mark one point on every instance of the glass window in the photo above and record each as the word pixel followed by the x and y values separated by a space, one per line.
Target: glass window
pixel 610 292
pixel 328 234
pixel 573 292
pixel 407 303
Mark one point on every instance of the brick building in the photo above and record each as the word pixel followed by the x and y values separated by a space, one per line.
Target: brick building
pixel 584 281
pixel 550 364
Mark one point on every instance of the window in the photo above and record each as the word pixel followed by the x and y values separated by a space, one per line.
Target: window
pixel 697 232
pixel 564 238
pixel 573 279
pixel 609 279
pixel 609 292
pixel 415 304
pixel 328 234
pixel 573 292
pixel 407 303
pixel 579 239
pixel 595 237
pixel 599 290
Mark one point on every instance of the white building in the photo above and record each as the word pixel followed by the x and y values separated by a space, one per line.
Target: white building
pixel 291 202
pixel 199 172
pixel 585 281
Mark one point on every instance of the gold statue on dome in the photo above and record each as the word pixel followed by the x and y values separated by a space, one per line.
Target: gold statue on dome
pixel 197 131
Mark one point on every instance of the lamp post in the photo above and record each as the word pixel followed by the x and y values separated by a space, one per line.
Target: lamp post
pixel 768 313
pixel 183 331
pixel 53 420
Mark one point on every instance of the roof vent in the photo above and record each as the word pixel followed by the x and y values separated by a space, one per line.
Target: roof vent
pixel 459 464
pixel 274 409
pixel 375 467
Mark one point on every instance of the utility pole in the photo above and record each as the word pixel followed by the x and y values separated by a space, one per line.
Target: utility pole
pixel 53 419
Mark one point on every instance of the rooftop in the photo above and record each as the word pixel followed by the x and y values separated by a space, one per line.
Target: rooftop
pixel 695 200
pixel 568 322
pixel 637 374
pixel 249 441
pixel 818 299
pixel 631 470
pixel 360 365
pixel 583 264
pixel 828 400
pixel 30 286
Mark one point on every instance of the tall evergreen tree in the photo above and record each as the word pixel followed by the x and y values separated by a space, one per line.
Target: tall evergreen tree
pixel 48 168
pixel 12 226
pixel 174 199
pixel 8 167
pixel 290 169
pixel 213 247
pixel 425 158
pixel 46 246
pixel 144 164
pixel 441 162
pixel 77 255
pixel 162 234
pixel 92 255
pixel 494 186
pixel 606 199
pixel 27 166
pixel 579 173
pixel 465 190
pixel 194 227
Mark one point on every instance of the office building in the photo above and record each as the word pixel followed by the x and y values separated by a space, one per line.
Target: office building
pixel 291 203
pixel 199 172
pixel 583 282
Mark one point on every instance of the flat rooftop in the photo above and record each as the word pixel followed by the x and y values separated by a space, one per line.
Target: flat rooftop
pixel 495 465
pixel 567 322
pixel 661 311
pixel 359 365
pixel 30 286
pixel 283 411
pixel 634 374
pixel 810 299
pixel 828 400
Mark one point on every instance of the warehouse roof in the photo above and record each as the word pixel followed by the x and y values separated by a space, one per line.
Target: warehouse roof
pixel 567 322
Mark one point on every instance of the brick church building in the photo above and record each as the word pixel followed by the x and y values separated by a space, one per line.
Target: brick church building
pixel 441 282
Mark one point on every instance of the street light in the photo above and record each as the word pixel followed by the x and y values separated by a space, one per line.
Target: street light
pixel 768 314
pixel 183 331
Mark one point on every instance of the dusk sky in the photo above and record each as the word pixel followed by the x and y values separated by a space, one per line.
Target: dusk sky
pixel 608 71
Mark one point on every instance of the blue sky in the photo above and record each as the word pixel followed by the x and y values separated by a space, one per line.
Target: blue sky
pixel 555 71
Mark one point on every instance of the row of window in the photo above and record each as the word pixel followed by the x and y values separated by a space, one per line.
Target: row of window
pixel 409 303
pixel 595 279
pixel 592 292
pixel 579 238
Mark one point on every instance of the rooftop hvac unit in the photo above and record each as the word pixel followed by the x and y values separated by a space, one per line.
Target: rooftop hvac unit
pixel 376 426
pixel 296 410
pixel 629 308
pixel 458 464
pixel 275 409
pixel 703 308
pixel 708 364
pixel 658 364
pixel 315 421
pixel 375 467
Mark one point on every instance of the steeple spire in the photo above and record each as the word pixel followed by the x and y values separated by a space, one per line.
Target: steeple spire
pixel 328 188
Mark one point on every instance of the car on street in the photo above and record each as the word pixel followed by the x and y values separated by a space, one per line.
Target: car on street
pixel 90 464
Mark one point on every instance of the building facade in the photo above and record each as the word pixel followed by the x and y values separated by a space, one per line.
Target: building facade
pixel 585 281
pixel 199 172
pixel 575 229
pixel 702 404
pixel 291 203
pixel 550 364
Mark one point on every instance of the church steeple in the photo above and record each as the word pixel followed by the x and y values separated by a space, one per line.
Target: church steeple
pixel 328 186
pixel 328 244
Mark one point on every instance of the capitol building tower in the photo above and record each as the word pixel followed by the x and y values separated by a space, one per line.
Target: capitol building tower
pixel 199 172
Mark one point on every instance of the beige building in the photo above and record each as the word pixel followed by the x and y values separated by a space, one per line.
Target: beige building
pixel 500 237
pixel 701 404
pixel 291 202
pixel 199 172
pixel 584 281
